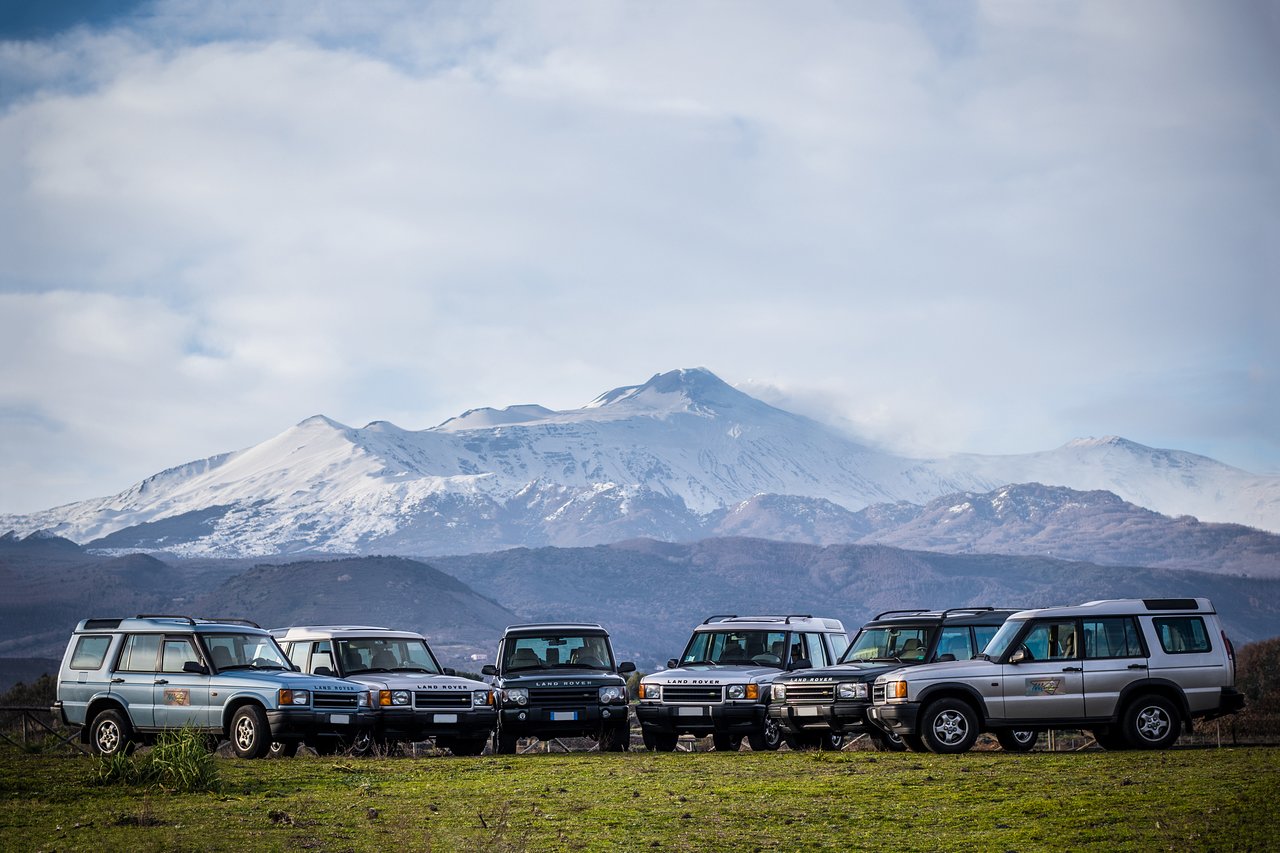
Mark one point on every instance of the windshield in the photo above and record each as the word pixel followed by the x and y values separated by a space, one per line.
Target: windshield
pixel 244 651
pixel 567 651
pixel 386 654
pixel 1000 642
pixel 890 643
pixel 767 648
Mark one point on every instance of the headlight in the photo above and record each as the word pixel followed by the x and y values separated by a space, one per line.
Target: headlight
pixel 481 698
pixel 650 691
pixel 518 695
pixel 779 691
pixel 295 697
pixel 393 697
pixel 851 690
pixel 895 690
pixel 737 691
pixel 610 694
pixel 362 699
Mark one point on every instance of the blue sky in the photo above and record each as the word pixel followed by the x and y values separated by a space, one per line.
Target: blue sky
pixel 942 226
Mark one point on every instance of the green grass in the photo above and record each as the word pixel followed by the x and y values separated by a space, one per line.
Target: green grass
pixel 1200 799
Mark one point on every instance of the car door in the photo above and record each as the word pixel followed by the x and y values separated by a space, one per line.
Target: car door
pixel 135 675
pixel 1114 658
pixel 1047 683
pixel 180 698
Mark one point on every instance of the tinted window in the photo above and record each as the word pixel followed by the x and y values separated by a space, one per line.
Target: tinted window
pixel 955 642
pixel 570 651
pixel 982 635
pixel 1051 641
pixel 89 652
pixel 1182 635
pixel 736 647
pixel 905 643
pixel 177 653
pixel 140 653
pixel 1112 638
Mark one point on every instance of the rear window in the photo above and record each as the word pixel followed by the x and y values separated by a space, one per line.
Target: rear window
pixel 90 652
pixel 1182 635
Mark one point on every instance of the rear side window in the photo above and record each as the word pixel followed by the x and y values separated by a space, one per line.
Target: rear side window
pixel 839 642
pixel 955 642
pixel 1112 638
pixel 90 652
pixel 140 653
pixel 1182 635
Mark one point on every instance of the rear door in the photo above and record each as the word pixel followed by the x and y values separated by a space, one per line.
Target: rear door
pixel 134 679
pixel 1114 658
pixel 1185 653
pixel 1049 685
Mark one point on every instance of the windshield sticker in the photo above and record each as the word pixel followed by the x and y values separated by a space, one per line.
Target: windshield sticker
pixel 1044 686
pixel 177 697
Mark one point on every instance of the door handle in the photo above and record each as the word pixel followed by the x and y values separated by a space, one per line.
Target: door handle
pixel 117 681
pixel 1137 666
pixel 162 681
pixel 1072 669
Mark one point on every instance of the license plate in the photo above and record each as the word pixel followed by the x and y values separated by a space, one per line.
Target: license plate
pixel 557 716
pixel 807 711
pixel 446 718
pixel 688 712
pixel 343 719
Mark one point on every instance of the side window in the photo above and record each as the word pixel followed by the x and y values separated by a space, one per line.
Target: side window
pixel 90 652
pixel 177 652
pixel 1182 635
pixel 814 650
pixel 140 653
pixel 321 659
pixel 1115 637
pixel 955 642
pixel 982 635
pixel 298 654
pixel 839 642
pixel 1052 641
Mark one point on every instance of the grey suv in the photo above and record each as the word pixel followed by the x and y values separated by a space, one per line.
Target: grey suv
pixel 1134 672
pixel 720 685
pixel 414 698
pixel 124 680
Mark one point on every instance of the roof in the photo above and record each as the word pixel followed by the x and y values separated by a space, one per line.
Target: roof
pixel 1124 607
pixel 554 627
pixel 324 632
pixel 162 622
pixel 952 616
pixel 795 622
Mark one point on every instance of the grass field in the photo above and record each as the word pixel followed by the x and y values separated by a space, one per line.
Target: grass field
pixel 1197 799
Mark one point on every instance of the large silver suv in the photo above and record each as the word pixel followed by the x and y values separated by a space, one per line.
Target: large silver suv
pixel 124 680
pixel 1134 672
pixel 414 698
pixel 720 685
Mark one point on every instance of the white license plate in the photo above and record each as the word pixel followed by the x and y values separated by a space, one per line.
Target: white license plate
pixel 689 712
pixel 343 719
pixel 557 716
pixel 446 718
pixel 807 711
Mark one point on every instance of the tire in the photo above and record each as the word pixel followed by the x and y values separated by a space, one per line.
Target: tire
pixel 1151 722
pixel 1017 740
pixel 768 739
pixel 726 742
pixel 885 741
pixel 504 744
pixel 282 749
pixel 659 741
pixel 949 727
pixel 110 734
pixel 914 743
pixel 831 742
pixel 468 746
pixel 1110 739
pixel 615 739
pixel 801 741
pixel 250 734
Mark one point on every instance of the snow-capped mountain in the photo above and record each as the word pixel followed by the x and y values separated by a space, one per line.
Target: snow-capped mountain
pixel 658 459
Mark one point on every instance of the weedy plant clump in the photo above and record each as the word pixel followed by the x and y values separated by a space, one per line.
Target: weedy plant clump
pixel 181 761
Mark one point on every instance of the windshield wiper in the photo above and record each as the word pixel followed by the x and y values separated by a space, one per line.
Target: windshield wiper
pixel 411 668
pixel 700 663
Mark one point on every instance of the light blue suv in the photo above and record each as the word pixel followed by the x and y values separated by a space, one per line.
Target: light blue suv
pixel 125 680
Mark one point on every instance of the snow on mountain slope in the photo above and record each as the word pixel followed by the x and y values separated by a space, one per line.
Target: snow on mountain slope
pixel 655 459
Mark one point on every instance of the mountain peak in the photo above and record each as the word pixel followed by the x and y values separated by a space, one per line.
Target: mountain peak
pixel 698 386
pixel 320 421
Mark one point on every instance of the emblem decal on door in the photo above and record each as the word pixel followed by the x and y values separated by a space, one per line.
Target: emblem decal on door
pixel 1044 686
pixel 177 697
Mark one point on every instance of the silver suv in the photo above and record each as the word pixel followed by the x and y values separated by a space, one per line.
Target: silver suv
pixel 720 685
pixel 125 680
pixel 1134 672
pixel 414 698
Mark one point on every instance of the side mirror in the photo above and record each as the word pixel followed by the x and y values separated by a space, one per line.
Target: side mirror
pixel 448 670
pixel 1020 656
pixel 488 669
pixel 800 663
pixel 947 656
pixel 626 666
pixel 195 667
pixel 672 663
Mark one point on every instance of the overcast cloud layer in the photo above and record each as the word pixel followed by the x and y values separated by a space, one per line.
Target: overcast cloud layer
pixel 946 226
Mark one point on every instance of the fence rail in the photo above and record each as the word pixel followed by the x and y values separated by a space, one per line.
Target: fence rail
pixel 21 726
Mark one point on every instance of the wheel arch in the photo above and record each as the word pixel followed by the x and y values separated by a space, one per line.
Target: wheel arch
pixel 953 690
pixel 96 706
pixel 1154 687
pixel 234 704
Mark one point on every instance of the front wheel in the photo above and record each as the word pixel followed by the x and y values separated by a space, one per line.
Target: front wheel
pixel 282 749
pixel 250 734
pixel 949 726
pixel 110 734
pixel 885 741
pixel 768 739
pixel 1151 723
pixel 1017 741
pixel 659 741
pixel 467 746
pixel 726 742
pixel 505 744
pixel 615 739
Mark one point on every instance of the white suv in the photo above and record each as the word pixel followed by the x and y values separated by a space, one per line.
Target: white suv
pixel 1134 672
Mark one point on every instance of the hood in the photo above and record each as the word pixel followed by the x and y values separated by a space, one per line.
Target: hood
pixel 861 671
pixel 278 679
pixel 563 678
pixel 416 681
pixel 715 674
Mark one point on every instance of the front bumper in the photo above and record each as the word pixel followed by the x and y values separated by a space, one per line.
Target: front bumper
pixel 291 724
pixel 421 723
pixel 543 723
pixel 740 718
pixel 900 718
pixel 842 717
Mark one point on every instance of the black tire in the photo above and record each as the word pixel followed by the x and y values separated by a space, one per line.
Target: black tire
pixel 831 742
pixel 659 741
pixel 467 746
pixel 282 749
pixel 326 745
pixel 1017 740
pixel 768 739
pixel 949 727
pixel 1111 740
pixel 914 743
pixel 505 744
pixel 724 742
pixel 250 734
pixel 110 734
pixel 1151 722
pixel 797 741
pixel 615 738
pixel 885 741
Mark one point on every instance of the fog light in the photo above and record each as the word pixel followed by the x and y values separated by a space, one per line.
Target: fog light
pixel 605 713
pixel 522 716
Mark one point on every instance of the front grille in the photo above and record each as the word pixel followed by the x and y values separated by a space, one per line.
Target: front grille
pixel 877 694
pixel 442 699
pixel 699 693
pixel 333 700
pixel 821 692
pixel 563 697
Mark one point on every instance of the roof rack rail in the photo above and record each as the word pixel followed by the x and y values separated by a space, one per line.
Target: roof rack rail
pixel 903 612
pixel 787 621
pixel 558 625
pixel 720 617
pixel 230 621
pixel 952 610
pixel 177 616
